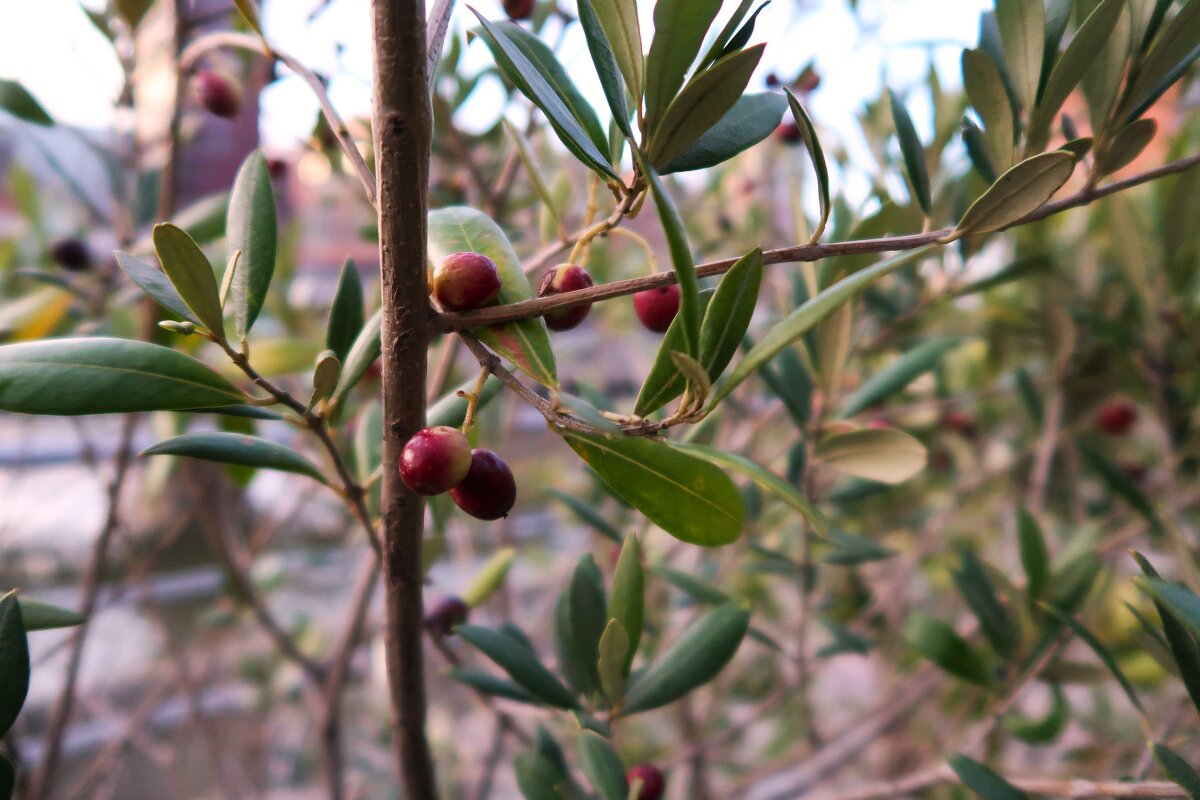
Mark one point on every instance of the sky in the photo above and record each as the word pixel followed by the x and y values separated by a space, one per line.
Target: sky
pixel 52 48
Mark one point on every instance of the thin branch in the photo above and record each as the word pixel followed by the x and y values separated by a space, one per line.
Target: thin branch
pixel 253 43
pixel 527 309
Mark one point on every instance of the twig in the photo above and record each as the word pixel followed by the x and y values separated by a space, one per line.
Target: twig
pixel 527 309
pixel 253 43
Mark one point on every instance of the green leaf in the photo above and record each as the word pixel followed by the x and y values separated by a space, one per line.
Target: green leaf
pixel 1090 40
pixel 752 119
pixel 1100 650
pixel 1178 769
pixel 1174 50
pixel 1185 650
pixel 1058 14
pixel 586 617
pixel 490 577
pixel 717 46
pixel 619 21
pixel 900 373
pixel 14 662
pixel 699 590
pixel 1183 605
pixel 1034 557
pixel 520 663
pixel 886 455
pixel 366 348
pixel 536 777
pixel 250 228
pixel 983 781
pixel 491 685
pixel 681 261
pixel 42 616
pixel 1155 20
pixel 154 282
pixel 548 66
pixel 191 274
pixel 985 87
pixel 728 314
pixel 739 39
pixel 816 154
pixel 106 376
pixel 848 549
pixel 345 312
pixel 16 100
pixel 325 376
pixel 938 642
pixel 977 149
pixel 602 766
pixel 804 318
pixel 763 477
pixel 517 67
pixel 704 100
pixel 1103 77
pixel 236 448
pixel 665 382
pixel 1044 730
pixel 976 587
pixel 1127 145
pixel 913 152
pixel 1022 26
pixel 679 30
pixel 684 495
pixel 587 514
pixel 247 8
pixel 606 65
pixel 1119 482
pixel 1020 191
pixel 549 749
pixel 691 661
pixel 613 653
pixel 626 600
pixel 526 343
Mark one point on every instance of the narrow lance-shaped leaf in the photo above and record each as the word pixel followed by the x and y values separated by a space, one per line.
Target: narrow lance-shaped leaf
pixel 985 87
pixel 718 43
pixel 605 62
pixel 16 100
pixel 1022 34
pixel 346 312
pixel 939 643
pixel 191 274
pixel 250 230
pixel 1018 192
pixel 236 448
pixel 548 66
pixel 767 480
pixel 688 498
pixel 366 348
pixel 526 342
pixel 1126 146
pixel 728 314
pixel 808 132
pixel 913 152
pixel 983 781
pixel 491 685
pixel 586 618
pixel 887 455
pixel 587 514
pixel 1173 604
pixel 1100 650
pixel 490 577
pixel 517 67
pixel 900 373
pixel 739 39
pixel 1044 730
pixel 613 652
pixel 602 766
pixel 1034 557
pixel 679 29
pixel 702 103
pixel 536 777
pixel 156 284
pixel 626 599
pixel 14 661
pixel 42 616
pixel 976 587
pixel 520 663
pixel 977 150
pixel 802 319
pixel 1119 482
pixel 752 119
pixel 1174 50
pixel 1105 73
pixel 1178 768
pixel 681 261
pixel 106 376
pixel 694 659
pixel 619 21
pixel 665 382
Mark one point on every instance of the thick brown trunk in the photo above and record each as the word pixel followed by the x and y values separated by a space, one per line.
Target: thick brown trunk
pixel 402 129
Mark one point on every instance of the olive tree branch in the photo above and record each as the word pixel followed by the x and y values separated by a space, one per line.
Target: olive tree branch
pixel 253 43
pixel 527 309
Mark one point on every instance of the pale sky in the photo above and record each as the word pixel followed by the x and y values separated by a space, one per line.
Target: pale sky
pixel 52 48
